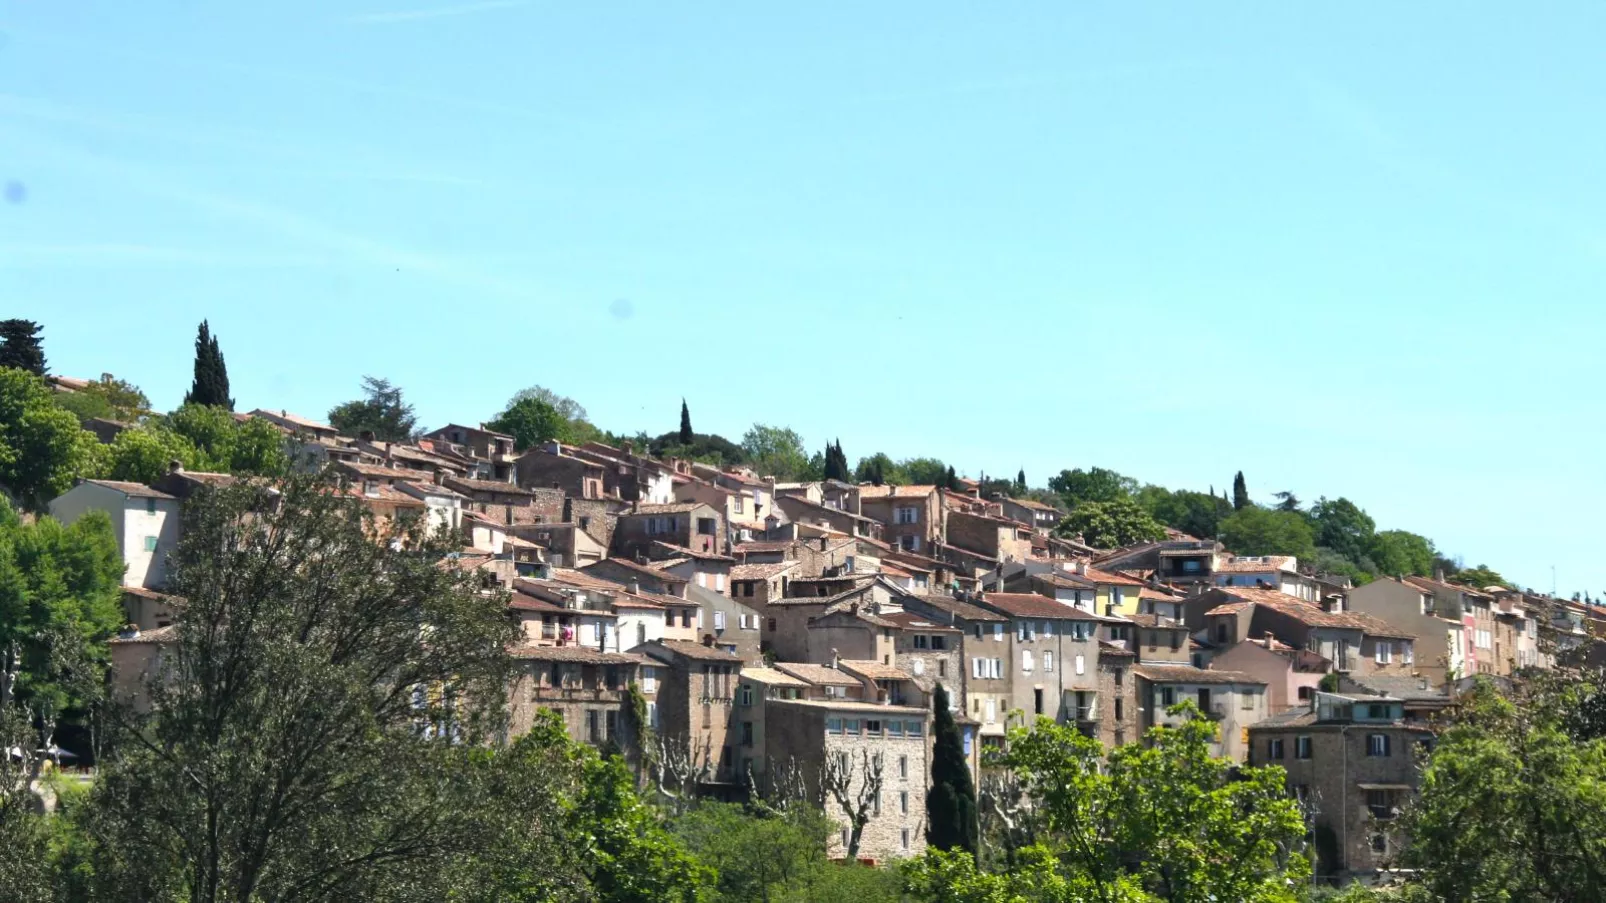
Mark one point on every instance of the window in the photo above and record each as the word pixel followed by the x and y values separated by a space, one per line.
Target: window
pixel 610 723
pixel 903 806
pixel 1385 652
pixel 998 632
pixel 1408 652
pixel 1274 748
pixel 747 733
pixel 1380 803
pixel 1380 843
pixel 1246 699
pixel 998 669
pixel 669 619
pixel 150 543
pixel 1120 709
pixel 707 526
pixel 1026 660
pixel 1081 663
pixel 719 583
pixel 1168 695
pixel 649 679
pixel 976 667
pixel 685 618
pixel 903 834
pixel 872 728
pixel 833 725
pixel 909 543
pixel 1119 675
pixel 939 643
pixel 903 763
pixel 719 620
pixel 591 726
pixel 895 728
pixel 875 805
pixel 920 641
pixel 942 667
pixel 741 621
pixel 905 515
pixel 1046 628
pixel 851 727
pixel 1377 710
pixel 844 838
pixel 1048 663
pixel 1302 747
pixel 150 506
pixel 745 695
pixel 914 728
pixel 1305 693
pixel 1377 744
pixel 772 625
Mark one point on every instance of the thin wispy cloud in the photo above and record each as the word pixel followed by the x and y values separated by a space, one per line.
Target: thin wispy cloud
pixel 45 255
pixel 440 12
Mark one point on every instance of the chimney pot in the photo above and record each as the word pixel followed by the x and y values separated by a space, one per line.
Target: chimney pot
pixel 175 466
pixel 635 587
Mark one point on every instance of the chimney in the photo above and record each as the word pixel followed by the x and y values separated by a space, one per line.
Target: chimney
pixel 1081 566
pixel 836 659
pixel 1438 574
pixel 634 587
pixel 175 466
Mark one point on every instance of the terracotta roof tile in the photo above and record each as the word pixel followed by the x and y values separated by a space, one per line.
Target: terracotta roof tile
pixel 870 492
pixel 582 654
pixel 874 670
pixel 132 490
pixel 1032 605
pixel 818 675
pixel 691 650
pixel 1189 674
pixel 761 571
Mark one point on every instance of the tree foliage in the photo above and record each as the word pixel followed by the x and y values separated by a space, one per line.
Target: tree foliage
pixel 1259 531
pixel 21 347
pixel 880 470
pixel 704 448
pixel 836 462
pixel 210 386
pixel 107 398
pixel 686 434
pixel 776 451
pixel 381 410
pixel 1512 806
pixel 1342 526
pixel 1194 513
pixel 1480 577
pixel 1097 484
pixel 42 447
pixel 1240 492
pixel 1113 524
pixel 531 421
pixel 1400 552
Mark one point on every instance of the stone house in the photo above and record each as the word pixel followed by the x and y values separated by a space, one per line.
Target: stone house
pixel 493 452
pixel 728 623
pixel 1120 721
pixel 1292 675
pixel 147 609
pixel 709 570
pixel 1231 699
pixel 696 693
pixel 624 571
pixel 1053 652
pixel 1039 516
pixel 848 633
pixel 692 525
pixel 931 651
pixel 989 696
pixel 146 523
pixel 397 454
pixel 1157 638
pixel 296 425
pixel 1350 640
pixel 508 502
pixel 1351 760
pixel 553 465
pixel 911 516
pixel 1002 541
pixel 586 687
pixel 1278 572
pixel 629 476
pixel 802 511
pixel 757 583
pixel 136 658
pixel 1182 562
pixel 846 732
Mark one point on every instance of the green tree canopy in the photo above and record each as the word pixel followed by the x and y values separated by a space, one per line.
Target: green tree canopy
pixel 880 470
pixel 925 471
pixel 776 451
pixel 1112 524
pixel 42 447
pixel 210 386
pixel 1194 513
pixel 1095 485
pixel 1400 552
pixel 531 421
pixel 1258 531
pixel 21 347
pixel 381 411
pixel 705 448
pixel 1512 806
pixel 108 398
pixel 1480 577
pixel 1343 527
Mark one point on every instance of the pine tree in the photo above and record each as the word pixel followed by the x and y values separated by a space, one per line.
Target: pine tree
pixel 1240 492
pixel 686 435
pixel 20 346
pixel 950 479
pixel 211 386
pixel 951 802
pixel 1020 481
pixel 836 462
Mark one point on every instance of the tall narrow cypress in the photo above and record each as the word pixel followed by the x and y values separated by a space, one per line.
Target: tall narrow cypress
pixel 686 434
pixel 1020 480
pixel 1240 492
pixel 951 802
pixel 211 385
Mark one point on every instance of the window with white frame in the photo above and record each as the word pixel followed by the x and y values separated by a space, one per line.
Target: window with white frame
pixel 1048 663
pixel 920 641
pixel 905 515
pixel 1385 652
pixel 1081 664
pixel 998 632
pixel 998 669
pixel 1407 652
pixel 1026 660
pixel 1377 744
pixel 719 620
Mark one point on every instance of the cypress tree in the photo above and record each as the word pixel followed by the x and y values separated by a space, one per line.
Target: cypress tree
pixel 1020 480
pixel 20 346
pixel 950 479
pixel 1240 492
pixel 686 435
pixel 211 386
pixel 836 461
pixel 951 803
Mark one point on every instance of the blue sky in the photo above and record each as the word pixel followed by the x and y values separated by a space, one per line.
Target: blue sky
pixel 1352 251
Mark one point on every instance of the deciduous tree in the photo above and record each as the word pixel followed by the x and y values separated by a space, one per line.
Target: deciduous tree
pixel 776 451
pixel 381 410
pixel 1113 524
pixel 42 447
pixel 1258 531
pixel 531 421
pixel 1095 485
pixel 108 398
